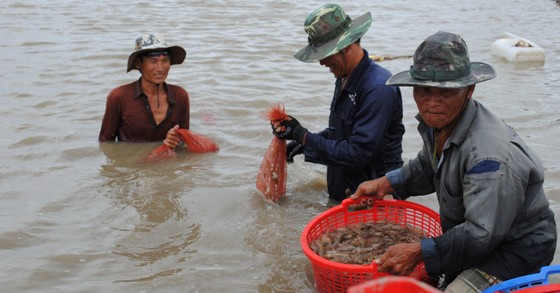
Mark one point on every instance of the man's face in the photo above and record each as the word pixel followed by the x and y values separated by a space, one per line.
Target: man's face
pixel 155 66
pixel 439 107
pixel 335 63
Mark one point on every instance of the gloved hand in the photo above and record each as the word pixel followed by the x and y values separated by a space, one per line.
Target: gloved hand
pixel 293 149
pixel 289 129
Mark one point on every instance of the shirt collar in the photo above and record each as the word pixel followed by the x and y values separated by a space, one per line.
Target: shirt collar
pixel 352 83
pixel 138 91
pixel 464 123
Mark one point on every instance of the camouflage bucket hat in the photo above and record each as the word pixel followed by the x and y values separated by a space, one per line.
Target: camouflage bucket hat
pixel 442 60
pixel 331 30
pixel 153 42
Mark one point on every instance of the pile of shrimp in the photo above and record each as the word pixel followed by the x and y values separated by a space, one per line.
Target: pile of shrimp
pixel 362 243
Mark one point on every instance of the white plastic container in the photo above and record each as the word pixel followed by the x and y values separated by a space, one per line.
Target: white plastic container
pixel 517 49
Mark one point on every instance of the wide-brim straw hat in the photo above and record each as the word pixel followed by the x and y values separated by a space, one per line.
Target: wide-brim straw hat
pixel 330 30
pixel 154 42
pixel 442 60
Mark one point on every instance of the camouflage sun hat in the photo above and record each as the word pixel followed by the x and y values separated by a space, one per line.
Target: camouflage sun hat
pixel 154 42
pixel 331 30
pixel 442 60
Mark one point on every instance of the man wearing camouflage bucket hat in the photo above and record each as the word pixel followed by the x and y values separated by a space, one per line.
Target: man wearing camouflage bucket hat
pixel 496 220
pixel 364 137
pixel 148 109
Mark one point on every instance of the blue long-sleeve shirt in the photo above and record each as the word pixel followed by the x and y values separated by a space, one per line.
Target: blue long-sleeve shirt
pixel 364 137
pixel 493 209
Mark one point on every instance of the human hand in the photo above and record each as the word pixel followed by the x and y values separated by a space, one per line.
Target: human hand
pixel 293 149
pixel 377 188
pixel 172 139
pixel 400 259
pixel 289 129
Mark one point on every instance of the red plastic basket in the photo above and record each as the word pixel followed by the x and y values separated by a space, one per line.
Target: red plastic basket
pixel 549 288
pixel 393 284
pixel 332 276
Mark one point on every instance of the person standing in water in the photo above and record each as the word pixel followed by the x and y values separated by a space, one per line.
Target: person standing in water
pixel 363 139
pixel 148 109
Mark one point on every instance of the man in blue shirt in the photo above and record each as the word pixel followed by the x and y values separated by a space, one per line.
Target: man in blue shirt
pixel 364 136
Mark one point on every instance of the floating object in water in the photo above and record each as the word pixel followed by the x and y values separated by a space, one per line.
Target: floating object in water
pixel 386 58
pixel 517 49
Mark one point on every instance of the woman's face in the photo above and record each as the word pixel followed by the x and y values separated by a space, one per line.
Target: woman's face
pixel 439 107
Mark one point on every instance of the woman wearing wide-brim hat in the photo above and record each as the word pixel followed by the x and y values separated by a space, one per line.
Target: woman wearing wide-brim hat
pixel 148 109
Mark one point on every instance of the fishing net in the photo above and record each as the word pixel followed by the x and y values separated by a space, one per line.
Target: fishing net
pixel 197 143
pixel 271 179
pixel 194 142
pixel 163 152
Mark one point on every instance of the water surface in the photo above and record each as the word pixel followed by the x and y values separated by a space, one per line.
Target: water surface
pixel 78 217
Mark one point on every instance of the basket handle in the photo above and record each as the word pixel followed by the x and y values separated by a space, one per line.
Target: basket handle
pixel 353 205
pixel 375 270
pixel 549 270
pixel 346 203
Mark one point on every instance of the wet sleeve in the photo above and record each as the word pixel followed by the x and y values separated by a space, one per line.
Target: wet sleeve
pixel 185 110
pixel 370 124
pixel 431 256
pixel 111 119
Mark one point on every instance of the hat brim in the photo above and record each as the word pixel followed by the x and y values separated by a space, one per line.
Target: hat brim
pixel 178 55
pixel 357 29
pixel 479 72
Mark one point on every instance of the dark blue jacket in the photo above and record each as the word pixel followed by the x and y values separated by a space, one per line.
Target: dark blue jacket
pixel 364 137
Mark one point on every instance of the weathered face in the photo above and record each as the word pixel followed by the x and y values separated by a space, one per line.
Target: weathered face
pixel 335 63
pixel 155 66
pixel 439 107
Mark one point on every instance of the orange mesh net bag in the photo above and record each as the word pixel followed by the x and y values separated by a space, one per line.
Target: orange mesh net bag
pixel 197 143
pixel 271 179
pixel 194 142
pixel 163 152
